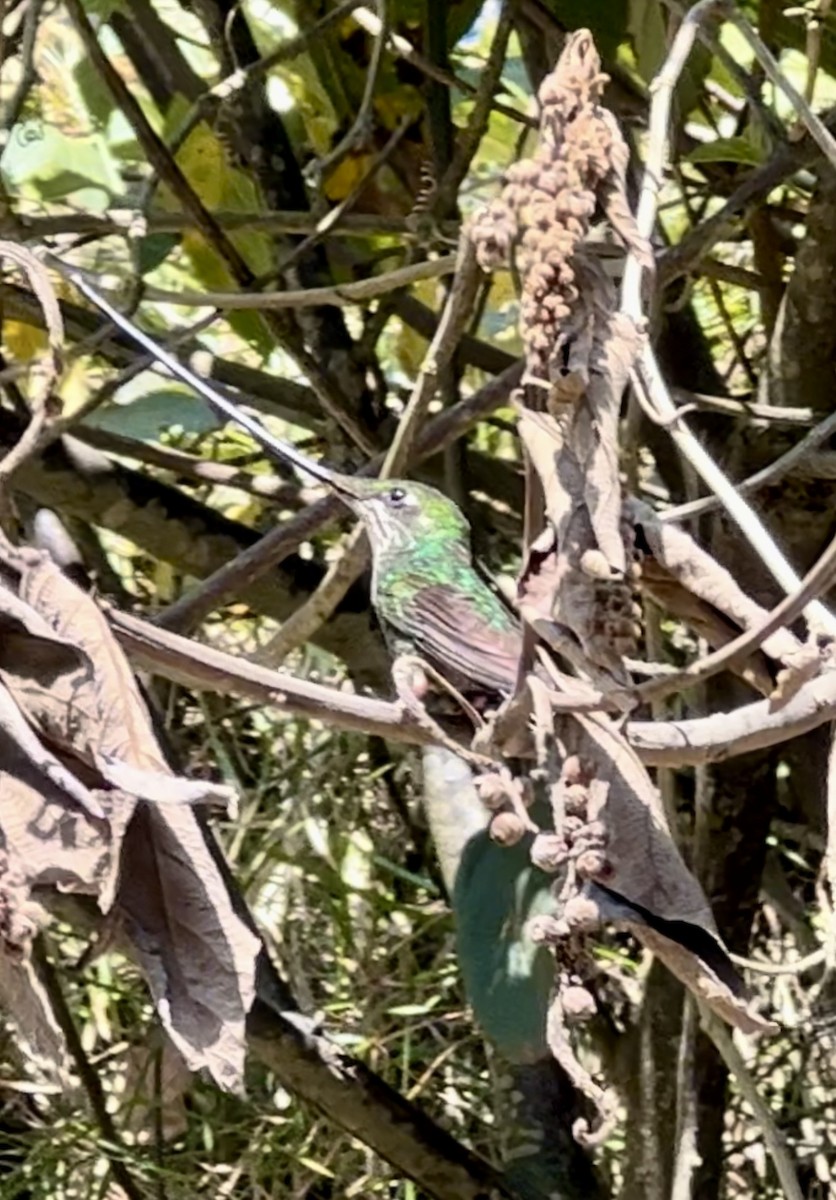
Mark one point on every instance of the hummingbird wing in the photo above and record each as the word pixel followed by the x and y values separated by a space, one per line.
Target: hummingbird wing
pixel 463 632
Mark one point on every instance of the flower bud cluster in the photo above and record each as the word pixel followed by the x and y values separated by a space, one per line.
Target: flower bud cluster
pixel 545 208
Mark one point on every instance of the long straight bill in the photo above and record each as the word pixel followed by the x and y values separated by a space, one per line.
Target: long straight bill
pixel 282 450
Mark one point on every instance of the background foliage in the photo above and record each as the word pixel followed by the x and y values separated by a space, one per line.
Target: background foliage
pixel 272 117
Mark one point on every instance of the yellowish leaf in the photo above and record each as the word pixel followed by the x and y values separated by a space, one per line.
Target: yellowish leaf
pixel 346 175
pixel 24 341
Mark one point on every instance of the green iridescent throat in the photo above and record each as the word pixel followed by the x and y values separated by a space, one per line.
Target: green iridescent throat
pixel 423 545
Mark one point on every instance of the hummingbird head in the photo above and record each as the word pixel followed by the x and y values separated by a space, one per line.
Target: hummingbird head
pixel 398 513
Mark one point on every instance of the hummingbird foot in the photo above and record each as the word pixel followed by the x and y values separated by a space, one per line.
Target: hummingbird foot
pixel 411 675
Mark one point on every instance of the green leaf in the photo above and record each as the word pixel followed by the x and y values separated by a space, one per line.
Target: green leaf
pixel 646 25
pixel 605 19
pixel 41 161
pixel 733 149
pixel 144 417
pixel 154 249
pixel 508 977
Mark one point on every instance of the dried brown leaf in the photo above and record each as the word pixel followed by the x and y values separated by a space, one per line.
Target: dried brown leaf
pixel 646 870
pixel 800 667
pixel 13 723
pixel 699 573
pixel 197 953
pixel 38 1037
pixel 98 711
pixel 51 844
pixel 45 845
pixel 706 985
pixel 615 201
pixel 566 592
pixel 152 863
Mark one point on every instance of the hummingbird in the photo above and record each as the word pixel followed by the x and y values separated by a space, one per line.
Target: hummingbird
pixel 426 591
pixel 433 604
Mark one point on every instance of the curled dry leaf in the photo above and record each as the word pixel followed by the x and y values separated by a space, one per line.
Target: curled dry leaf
pixel 76 727
pixel 46 845
pixel 677 553
pixel 575 454
pixel 197 953
pixel 588 619
pixel 647 885
pixel 800 667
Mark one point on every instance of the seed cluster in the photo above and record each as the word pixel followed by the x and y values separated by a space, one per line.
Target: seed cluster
pixel 547 203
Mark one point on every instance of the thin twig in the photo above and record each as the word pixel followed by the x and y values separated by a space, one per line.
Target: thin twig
pixel 129 222
pixel 335 215
pixel 301 626
pixel 776 470
pixel 362 124
pixel 648 382
pixel 41 389
pixel 205 668
pixel 339 295
pixel 165 165
pixel 686 1154
pixel 772 1136
pixel 646 377
pixel 453 320
pixel 28 74
pixel 207 105
pixel 723 735
pixel 818 130
pixel 661 90
pixel 815 23
pixel 111 1144
pixel 471 136
pixel 808 963
pixel 830 856
pixel 751 409
pixel 159 156
pixel 816 581
pixel 399 45
pixel 678 260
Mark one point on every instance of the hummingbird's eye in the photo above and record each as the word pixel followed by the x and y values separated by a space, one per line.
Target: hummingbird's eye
pixel 396 496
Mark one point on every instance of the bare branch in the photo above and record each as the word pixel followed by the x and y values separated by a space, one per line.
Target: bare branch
pixel 341 295
pixel 773 1137
pixel 726 734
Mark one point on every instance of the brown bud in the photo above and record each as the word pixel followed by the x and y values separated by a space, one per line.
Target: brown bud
pixel 581 914
pixel 578 1003
pixel 545 930
pixel 572 770
pixel 593 864
pixel 594 835
pixel 506 828
pixel 575 800
pixel 548 852
pixel 571 826
pixel 492 790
